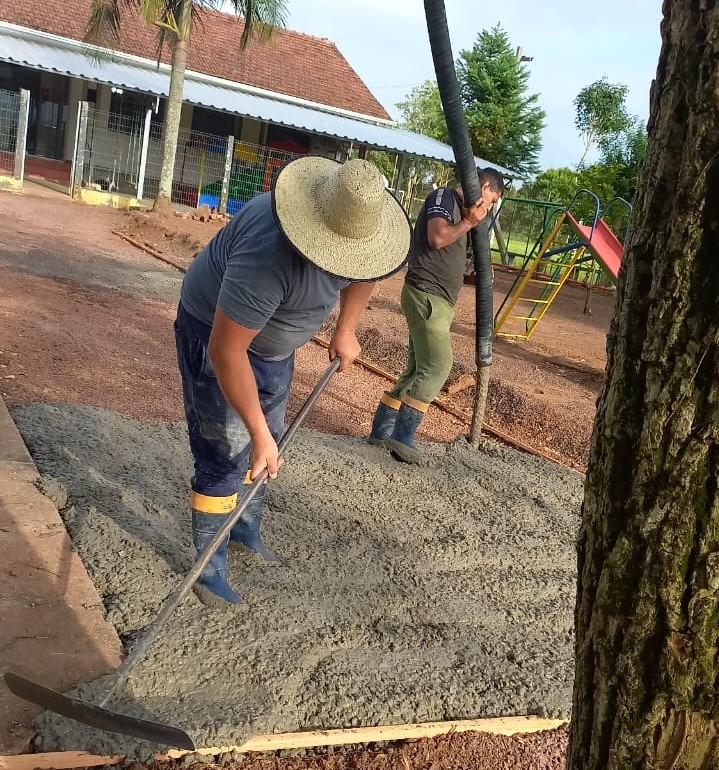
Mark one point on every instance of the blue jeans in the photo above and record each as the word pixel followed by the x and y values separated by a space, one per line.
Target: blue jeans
pixel 219 440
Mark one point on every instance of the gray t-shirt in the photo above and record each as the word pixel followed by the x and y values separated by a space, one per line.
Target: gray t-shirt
pixel 250 270
pixel 438 271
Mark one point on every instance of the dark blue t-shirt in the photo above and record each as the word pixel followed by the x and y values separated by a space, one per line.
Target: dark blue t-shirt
pixel 250 270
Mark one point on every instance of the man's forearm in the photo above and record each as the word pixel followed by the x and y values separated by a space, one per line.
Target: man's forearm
pixel 450 234
pixel 353 300
pixel 237 380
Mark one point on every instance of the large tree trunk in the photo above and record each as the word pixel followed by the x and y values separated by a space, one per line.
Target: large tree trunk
pixel 180 52
pixel 647 617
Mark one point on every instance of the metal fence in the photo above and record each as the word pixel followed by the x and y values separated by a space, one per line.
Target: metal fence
pixel 524 225
pixel 123 153
pixel 13 129
pixel 108 150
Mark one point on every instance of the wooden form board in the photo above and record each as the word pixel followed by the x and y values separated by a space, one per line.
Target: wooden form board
pixel 67 760
pixel 460 414
pixel 58 760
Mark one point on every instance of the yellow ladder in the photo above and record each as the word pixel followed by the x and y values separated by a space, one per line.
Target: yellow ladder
pixel 536 291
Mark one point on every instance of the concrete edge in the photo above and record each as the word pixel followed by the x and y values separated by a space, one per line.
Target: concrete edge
pixel 41 569
pixel 13 452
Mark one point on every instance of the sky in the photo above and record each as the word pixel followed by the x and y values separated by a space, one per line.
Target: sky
pixel 572 45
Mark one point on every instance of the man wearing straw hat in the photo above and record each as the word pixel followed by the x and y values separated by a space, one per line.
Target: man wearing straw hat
pixel 258 291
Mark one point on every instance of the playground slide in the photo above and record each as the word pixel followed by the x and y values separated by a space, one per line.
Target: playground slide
pixel 603 244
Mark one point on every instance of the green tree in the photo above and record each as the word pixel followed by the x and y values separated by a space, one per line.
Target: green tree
pixel 174 20
pixel 555 184
pixel 600 112
pixel 625 150
pixel 386 162
pixel 647 615
pixel 505 124
pixel 422 112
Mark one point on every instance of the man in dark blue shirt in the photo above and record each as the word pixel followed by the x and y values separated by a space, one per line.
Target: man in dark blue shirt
pixel 258 291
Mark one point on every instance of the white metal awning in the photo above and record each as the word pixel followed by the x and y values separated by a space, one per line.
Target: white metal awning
pixel 48 53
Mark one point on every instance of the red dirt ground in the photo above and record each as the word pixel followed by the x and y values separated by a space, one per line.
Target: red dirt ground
pixel 86 317
pixel 543 391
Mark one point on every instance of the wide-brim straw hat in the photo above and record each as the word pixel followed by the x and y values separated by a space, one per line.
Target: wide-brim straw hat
pixel 341 218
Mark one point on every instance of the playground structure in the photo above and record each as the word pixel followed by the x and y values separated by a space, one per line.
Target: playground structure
pixel 564 245
pixel 226 173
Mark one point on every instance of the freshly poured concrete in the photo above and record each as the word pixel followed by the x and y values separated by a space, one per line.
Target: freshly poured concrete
pixel 410 594
pixel 51 617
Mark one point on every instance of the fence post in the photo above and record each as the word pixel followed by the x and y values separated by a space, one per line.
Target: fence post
pixel 401 173
pixel 21 141
pixel 78 158
pixel 143 154
pixel 229 155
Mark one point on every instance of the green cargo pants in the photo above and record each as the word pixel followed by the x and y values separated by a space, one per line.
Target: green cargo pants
pixel 429 354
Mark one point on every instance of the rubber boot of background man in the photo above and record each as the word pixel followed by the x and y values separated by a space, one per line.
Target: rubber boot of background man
pixel 220 447
pixel 384 419
pixel 402 445
pixel 429 362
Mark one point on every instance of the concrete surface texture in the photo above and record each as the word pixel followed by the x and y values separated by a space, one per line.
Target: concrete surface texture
pixel 410 594
pixel 52 627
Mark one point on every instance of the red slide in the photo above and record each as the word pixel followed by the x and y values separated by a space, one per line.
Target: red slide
pixel 603 244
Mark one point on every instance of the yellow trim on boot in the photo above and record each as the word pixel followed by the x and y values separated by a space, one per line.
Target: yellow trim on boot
pixel 206 504
pixel 390 401
pixel 420 406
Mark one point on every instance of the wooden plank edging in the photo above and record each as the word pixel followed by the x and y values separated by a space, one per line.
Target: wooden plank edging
pixel 57 760
pixel 68 760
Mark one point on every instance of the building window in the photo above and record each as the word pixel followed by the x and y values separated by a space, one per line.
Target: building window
pixel 287 139
pixel 212 122
pixel 127 113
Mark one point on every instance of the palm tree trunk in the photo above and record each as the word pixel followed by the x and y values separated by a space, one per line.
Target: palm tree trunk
pixel 180 52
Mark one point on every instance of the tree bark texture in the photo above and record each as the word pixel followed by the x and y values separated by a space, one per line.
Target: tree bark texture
pixel 647 615
pixel 180 51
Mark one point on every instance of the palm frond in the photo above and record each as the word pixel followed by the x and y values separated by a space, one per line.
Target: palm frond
pixel 262 17
pixel 163 36
pixel 103 26
pixel 151 11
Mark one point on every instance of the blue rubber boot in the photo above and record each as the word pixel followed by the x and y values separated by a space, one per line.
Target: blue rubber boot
pixel 212 588
pixel 402 445
pixel 384 419
pixel 246 533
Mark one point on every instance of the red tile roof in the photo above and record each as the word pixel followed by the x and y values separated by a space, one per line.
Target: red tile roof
pixel 289 63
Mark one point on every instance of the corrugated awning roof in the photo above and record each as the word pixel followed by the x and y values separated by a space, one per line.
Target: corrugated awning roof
pixel 35 50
